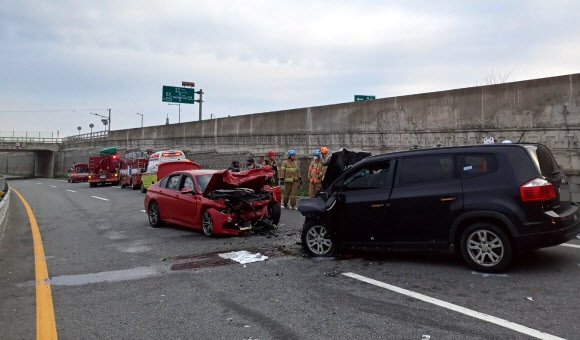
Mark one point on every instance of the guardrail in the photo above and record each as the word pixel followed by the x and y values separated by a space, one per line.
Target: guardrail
pixel 85 137
pixel 30 140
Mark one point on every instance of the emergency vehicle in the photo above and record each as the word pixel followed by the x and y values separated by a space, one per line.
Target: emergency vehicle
pixel 150 174
pixel 132 167
pixel 104 168
pixel 78 173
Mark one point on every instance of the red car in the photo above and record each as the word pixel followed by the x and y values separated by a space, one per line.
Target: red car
pixel 214 201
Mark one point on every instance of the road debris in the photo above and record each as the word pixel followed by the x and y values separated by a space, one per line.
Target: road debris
pixel 244 256
pixel 426 337
pixel 331 273
pixel 529 298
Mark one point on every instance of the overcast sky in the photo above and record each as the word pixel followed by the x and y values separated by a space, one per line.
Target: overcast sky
pixel 255 56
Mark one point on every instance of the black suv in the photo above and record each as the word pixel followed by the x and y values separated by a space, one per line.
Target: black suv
pixel 488 201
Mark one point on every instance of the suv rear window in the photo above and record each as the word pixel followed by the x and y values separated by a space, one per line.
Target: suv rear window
pixel 475 165
pixel 426 169
pixel 543 160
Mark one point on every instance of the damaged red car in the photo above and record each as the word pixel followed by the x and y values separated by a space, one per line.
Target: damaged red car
pixel 214 201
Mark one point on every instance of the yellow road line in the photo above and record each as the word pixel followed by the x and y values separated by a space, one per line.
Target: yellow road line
pixel 45 323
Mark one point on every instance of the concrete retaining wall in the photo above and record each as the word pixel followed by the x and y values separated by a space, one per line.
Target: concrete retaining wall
pixel 4 203
pixel 541 110
pixel 21 163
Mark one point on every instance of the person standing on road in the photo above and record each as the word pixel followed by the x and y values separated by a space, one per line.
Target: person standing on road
pixel 250 164
pixel 271 161
pixel 325 159
pixel 235 167
pixel 315 174
pixel 290 178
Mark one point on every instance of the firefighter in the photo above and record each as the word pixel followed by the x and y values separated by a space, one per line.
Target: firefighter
pixel 315 174
pixel 271 161
pixel 324 158
pixel 438 145
pixel 415 147
pixel 290 178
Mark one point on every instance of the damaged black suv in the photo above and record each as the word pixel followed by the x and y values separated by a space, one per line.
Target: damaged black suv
pixel 489 202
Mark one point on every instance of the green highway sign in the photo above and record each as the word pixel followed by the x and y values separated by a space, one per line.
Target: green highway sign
pixel 178 95
pixel 358 97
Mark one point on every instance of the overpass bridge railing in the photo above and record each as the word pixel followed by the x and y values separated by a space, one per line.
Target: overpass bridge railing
pixel 40 140
pixel 85 137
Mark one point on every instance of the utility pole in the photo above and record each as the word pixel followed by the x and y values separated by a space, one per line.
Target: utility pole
pixel 200 92
pixel 109 120
pixel 140 114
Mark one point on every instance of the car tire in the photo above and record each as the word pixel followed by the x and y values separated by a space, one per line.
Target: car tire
pixel 133 186
pixel 275 212
pixel 486 248
pixel 316 240
pixel 154 215
pixel 207 224
pixel 143 190
pixel 123 185
pixel 115 183
pixel 92 185
pixel 69 180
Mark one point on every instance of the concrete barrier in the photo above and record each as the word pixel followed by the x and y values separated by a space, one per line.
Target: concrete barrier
pixel 4 200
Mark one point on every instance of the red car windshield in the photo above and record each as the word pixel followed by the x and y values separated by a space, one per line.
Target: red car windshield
pixel 202 181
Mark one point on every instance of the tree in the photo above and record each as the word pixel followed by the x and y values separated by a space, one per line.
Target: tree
pixel 495 78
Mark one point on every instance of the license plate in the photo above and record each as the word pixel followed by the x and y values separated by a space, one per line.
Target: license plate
pixel 103 176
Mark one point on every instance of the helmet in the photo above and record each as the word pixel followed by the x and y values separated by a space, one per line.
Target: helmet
pixel 324 149
pixel 415 147
pixel 290 153
pixel 438 145
pixel 316 152
pixel 271 153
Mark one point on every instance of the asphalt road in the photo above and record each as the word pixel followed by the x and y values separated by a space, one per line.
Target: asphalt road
pixel 114 277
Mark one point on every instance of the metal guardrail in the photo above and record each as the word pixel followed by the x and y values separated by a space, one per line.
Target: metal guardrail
pixel 85 137
pixel 30 140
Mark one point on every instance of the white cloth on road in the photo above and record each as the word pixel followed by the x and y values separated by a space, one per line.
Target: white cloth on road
pixel 244 256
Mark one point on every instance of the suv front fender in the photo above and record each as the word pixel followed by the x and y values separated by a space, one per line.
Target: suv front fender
pixel 483 215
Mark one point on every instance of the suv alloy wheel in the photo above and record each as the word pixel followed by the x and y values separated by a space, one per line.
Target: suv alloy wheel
pixel 486 248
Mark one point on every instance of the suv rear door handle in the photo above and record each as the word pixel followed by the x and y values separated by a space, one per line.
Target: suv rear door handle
pixel 448 199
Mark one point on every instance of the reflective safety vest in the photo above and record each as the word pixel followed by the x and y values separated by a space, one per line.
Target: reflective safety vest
pixel 290 171
pixel 315 171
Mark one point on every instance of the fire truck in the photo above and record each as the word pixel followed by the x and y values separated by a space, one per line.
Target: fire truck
pixel 132 167
pixel 104 167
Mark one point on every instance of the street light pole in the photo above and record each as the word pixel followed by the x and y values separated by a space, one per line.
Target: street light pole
pixel 140 114
pixel 179 117
pixel 200 92
pixel 109 120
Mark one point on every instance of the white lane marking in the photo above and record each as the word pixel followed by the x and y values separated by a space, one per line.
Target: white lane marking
pixel 70 190
pixel 478 315
pixel 26 181
pixel 100 198
pixel 143 211
pixel 38 183
pixel 52 186
pixel 570 245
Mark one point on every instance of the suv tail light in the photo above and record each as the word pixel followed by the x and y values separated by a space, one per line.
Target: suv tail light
pixel 537 190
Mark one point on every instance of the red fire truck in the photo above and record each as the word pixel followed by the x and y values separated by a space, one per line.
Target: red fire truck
pixel 132 167
pixel 104 168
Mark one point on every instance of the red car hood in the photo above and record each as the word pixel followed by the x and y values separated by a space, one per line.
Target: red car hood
pixel 253 179
pixel 165 168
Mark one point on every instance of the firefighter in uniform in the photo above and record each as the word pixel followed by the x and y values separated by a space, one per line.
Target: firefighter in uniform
pixel 325 158
pixel 315 174
pixel 271 161
pixel 290 178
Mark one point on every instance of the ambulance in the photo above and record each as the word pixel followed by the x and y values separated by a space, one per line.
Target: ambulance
pixel 150 174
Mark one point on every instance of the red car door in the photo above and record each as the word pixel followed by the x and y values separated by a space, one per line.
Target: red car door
pixel 168 198
pixel 188 202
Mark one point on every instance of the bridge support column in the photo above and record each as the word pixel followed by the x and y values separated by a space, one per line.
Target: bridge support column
pixel 44 164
